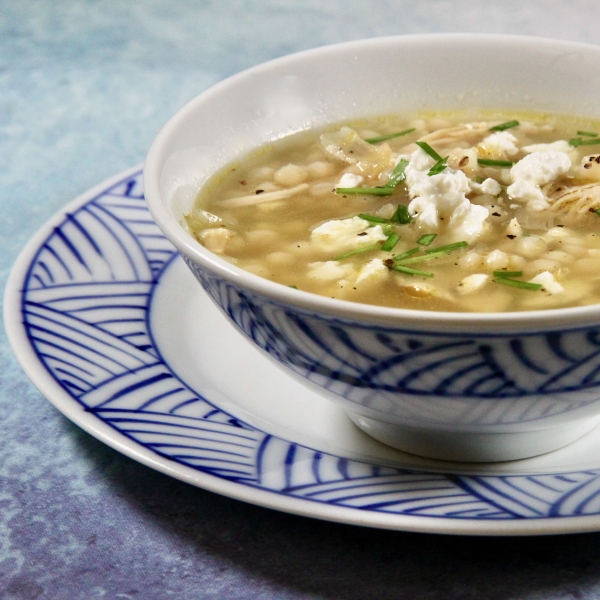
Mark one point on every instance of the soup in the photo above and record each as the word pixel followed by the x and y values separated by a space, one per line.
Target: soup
pixel 431 212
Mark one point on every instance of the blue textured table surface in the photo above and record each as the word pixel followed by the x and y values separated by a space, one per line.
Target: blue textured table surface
pixel 84 87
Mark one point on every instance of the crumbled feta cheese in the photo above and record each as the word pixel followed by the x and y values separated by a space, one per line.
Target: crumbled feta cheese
pixel 533 171
pixel 349 180
pixel 550 284
pixel 472 283
pixel 467 221
pixel 330 270
pixel 442 196
pixel 491 186
pixel 374 268
pixel 558 146
pixel 343 234
pixel 488 186
pixel 500 144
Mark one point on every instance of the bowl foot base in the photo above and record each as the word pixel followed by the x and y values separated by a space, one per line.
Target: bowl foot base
pixel 473 447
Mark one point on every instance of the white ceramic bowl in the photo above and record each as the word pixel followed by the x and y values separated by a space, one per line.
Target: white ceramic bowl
pixel 474 387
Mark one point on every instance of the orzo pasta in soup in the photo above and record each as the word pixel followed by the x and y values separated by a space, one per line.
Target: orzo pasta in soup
pixel 500 212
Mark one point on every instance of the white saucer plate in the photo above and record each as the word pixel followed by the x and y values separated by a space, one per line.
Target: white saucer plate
pixel 112 328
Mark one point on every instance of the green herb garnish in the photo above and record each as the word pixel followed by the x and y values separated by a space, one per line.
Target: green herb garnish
pixel 479 179
pixel 429 150
pixel 587 133
pixel 398 175
pixel 524 285
pixel 406 254
pixel 389 244
pixel 383 138
pixel 401 215
pixel 376 191
pixel 440 163
pixel 447 247
pixel 426 239
pixel 507 278
pixel 439 166
pixel 507 273
pixel 410 271
pixel 421 258
pixel 372 218
pixel 504 126
pixel 597 212
pixel 431 253
pixel 358 251
pixel 488 162
pixel 579 142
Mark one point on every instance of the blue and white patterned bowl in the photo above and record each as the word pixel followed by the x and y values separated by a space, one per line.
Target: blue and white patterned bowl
pixel 472 387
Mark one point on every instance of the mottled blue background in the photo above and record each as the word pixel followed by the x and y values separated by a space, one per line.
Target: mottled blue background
pixel 84 87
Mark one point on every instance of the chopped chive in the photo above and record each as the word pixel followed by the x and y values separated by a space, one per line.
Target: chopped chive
pixel 597 212
pixel 401 215
pixel 579 142
pixel 398 174
pixel 429 150
pixel 504 126
pixel 410 271
pixel 524 285
pixel 479 179
pixel 587 133
pixel 507 273
pixel 358 251
pixel 376 191
pixel 294 287
pixel 373 218
pixel 406 254
pixel 447 247
pixel 389 244
pixel 421 258
pixel 383 138
pixel 439 166
pixel 488 162
pixel 426 239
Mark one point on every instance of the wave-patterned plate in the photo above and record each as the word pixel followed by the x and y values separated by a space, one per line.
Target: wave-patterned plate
pixel 79 315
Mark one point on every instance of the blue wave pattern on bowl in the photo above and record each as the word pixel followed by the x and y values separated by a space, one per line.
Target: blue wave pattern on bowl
pixel 391 370
pixel 85 306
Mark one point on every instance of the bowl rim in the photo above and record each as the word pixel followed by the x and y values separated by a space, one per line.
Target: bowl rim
pixel 345 310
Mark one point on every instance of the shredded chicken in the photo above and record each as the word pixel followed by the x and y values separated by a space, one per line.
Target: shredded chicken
pixel 575 202
pixel 266 197
pixel 347 146
pixel 452 137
